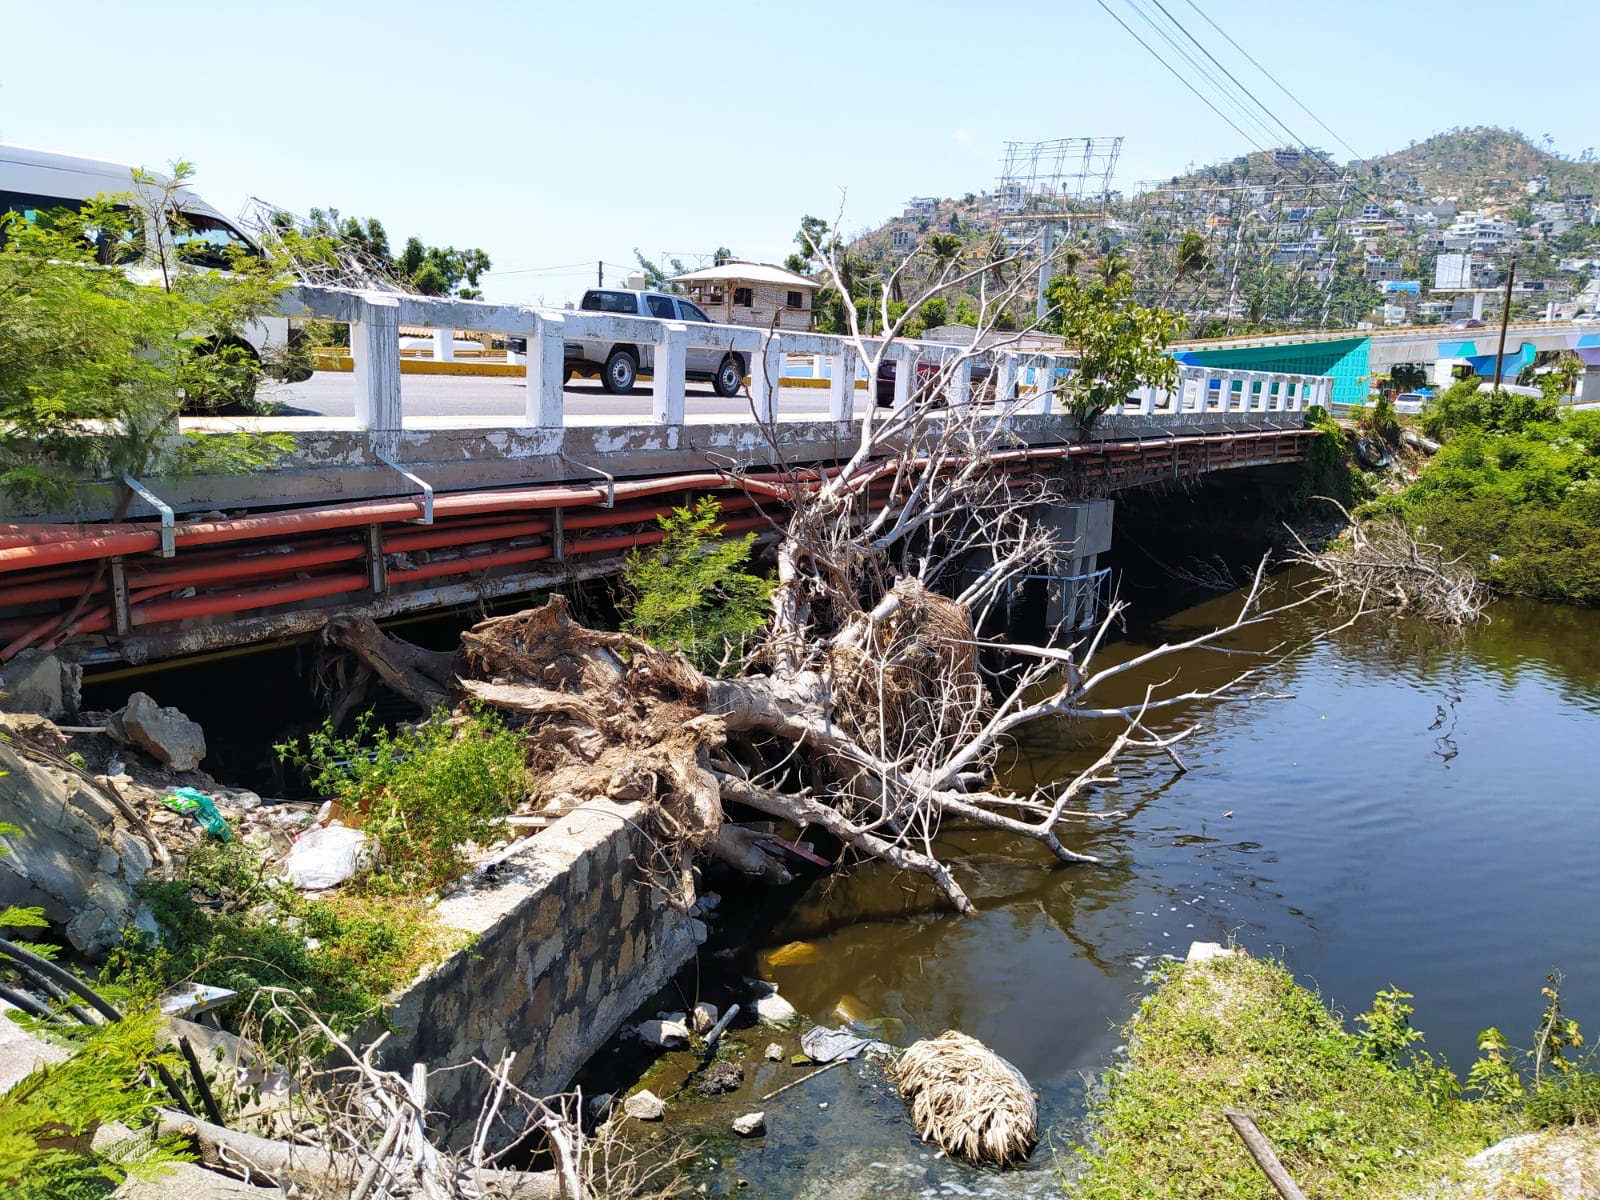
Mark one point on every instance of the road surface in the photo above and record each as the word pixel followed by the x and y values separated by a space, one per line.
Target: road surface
pixel 333 393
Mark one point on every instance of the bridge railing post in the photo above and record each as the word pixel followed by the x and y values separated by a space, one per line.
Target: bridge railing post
pixel 766 378
pixel 545 402
pixel 842 367
pixel 444 345
pixel 375 355
pixel 666 376
pixel 960 388
pixel 905 375
pixel 1004 374
pixel 1044 382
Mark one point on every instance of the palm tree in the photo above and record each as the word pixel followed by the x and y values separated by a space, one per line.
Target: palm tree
pixel 1070 260
pixel 1192 258
pixel 1112 269
pixel 945 248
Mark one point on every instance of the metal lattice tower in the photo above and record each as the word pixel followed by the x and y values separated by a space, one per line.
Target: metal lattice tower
pixel 1056 178
pixel 1046 184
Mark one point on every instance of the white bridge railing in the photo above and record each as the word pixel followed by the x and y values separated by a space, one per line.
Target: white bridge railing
pixel 375 319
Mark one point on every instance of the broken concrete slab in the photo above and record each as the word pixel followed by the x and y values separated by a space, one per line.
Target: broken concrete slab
pixel 73 856
pixel 165 733
pixel 35 682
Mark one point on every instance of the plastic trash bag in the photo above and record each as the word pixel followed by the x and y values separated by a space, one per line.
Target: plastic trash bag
pixel 824 1045
pixel 327 856
pixel 202 808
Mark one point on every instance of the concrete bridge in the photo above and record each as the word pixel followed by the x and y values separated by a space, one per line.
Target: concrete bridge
pixel 383 513
pixel 1350 357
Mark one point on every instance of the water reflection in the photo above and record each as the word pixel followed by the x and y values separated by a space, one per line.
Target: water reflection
pixel 1419 811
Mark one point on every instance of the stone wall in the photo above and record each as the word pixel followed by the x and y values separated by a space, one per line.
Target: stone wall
pixel 569 937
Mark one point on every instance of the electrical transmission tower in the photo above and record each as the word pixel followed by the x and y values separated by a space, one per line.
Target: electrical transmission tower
pixel 1046 185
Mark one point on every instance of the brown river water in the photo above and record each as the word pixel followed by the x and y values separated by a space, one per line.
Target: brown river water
pixel 1416 810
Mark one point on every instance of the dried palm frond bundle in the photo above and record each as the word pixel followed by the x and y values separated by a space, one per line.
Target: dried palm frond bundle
pixel 968 1099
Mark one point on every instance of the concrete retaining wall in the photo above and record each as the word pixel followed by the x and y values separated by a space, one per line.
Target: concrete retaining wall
pixel 570 937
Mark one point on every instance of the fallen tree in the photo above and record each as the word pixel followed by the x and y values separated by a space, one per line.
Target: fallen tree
pixel 864 710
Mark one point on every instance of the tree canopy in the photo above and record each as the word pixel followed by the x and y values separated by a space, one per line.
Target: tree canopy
pixel 96 363
pixel 428 270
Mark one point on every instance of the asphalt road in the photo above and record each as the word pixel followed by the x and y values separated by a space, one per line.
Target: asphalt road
pixel 332 394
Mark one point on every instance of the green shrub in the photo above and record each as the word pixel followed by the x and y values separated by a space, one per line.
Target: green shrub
pixel 1463 406
pixel 233 922
pixel 691 593
pixel 105 1079
pixel 1523 507
pixel 423 792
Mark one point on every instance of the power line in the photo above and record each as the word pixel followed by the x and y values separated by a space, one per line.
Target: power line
pixel 1251 60
pixel 1293 136
pixel 1217 85
pixel 1180 78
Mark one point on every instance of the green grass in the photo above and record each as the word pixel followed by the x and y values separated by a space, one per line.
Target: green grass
pixel 231 923
pixel 1350 1115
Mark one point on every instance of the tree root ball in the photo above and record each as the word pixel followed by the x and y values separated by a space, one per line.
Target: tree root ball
pixel 967 1099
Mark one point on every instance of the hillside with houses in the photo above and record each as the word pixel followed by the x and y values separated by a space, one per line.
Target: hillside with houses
pixel 1291 239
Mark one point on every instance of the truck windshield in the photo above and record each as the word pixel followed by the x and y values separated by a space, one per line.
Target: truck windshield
pixel 208 241
pixel 612 302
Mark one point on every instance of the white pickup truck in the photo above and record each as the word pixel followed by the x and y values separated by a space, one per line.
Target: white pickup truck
pixel 618 363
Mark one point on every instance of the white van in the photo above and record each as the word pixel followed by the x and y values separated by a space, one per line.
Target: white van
pixel 37 181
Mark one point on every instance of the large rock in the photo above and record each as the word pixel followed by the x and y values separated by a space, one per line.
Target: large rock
pixel 645 1106
pixel 73 857
pixel 34 682
pixel 751 1124
pixel 775 1010
pixel 170 737
pixel 667 1034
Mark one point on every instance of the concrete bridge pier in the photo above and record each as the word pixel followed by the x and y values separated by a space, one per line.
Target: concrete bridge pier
pixel 1588 389
pixel 1074 587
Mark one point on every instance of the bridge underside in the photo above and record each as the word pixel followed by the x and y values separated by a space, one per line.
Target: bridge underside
pixel 338 540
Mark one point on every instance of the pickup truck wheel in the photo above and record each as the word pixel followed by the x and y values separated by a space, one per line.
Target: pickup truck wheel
pixel 730 376
pixel 621 370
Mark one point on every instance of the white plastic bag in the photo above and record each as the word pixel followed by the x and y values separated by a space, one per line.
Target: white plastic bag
pixel 326 857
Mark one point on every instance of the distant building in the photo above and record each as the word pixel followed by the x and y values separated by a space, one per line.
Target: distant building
pixel 758 294
pixel 922 208
pixel 902 239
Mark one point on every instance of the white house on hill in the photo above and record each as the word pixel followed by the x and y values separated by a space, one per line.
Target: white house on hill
pixel 759 294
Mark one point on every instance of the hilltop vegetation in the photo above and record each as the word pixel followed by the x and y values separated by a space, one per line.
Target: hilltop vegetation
pixel 1285 239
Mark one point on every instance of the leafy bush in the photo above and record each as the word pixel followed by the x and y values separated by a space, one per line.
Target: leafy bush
pixel 234 923
pixel 422 792
pixel 1463 406
pixel 49 1117
pixel 691 593
pixel 1523 507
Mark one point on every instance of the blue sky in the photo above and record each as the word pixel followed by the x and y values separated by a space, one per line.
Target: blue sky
pixel 560 134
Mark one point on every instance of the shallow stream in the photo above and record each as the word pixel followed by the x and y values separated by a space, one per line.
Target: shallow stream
pixel 1415 810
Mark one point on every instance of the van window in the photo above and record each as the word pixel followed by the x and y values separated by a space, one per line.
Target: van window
pixel 207 241
pixel 611 302
pixel 115 244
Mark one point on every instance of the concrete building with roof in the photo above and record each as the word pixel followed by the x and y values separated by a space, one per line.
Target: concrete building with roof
pixel 758 294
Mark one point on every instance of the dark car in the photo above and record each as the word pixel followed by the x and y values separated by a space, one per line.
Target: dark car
pixel 1469 323
pixel 927 380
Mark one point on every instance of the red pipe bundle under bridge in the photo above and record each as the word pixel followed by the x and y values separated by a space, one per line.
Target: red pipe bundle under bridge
pixel 132 591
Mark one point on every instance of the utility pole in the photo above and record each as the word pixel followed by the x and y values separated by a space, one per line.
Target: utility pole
pixel 1046 249
pixel 1505 317
pixel 600 274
